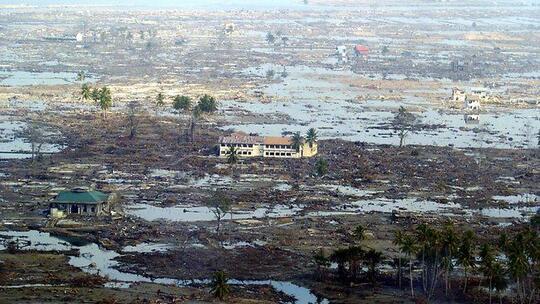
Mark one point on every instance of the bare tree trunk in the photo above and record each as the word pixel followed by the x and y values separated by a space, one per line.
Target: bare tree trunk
pixel 410 276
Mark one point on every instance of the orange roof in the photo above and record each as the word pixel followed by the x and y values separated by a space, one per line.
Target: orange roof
pixel 277 140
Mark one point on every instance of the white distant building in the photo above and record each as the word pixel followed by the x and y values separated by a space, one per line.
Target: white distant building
pixel 341 52
pixel 267 146
pixel 79 37
pixel 471 104
pixel 458 95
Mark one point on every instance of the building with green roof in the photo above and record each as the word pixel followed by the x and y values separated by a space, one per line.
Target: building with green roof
pixel 80 201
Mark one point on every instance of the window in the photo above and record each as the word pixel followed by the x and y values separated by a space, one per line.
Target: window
pixel 249 153
pixel 250 145
pixel 93 209
pixel 282 154
pixel 288 154
pixel 266 153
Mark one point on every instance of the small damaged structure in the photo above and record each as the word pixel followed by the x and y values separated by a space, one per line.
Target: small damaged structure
pixel 341 53
pixel 81 201
pixel 458 95
pixel 264 146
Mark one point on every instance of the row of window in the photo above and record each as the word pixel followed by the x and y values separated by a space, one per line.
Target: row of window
pixel 238 145
pixel 278 146
pixel 237 152
pixel 277 153
pixel 251 146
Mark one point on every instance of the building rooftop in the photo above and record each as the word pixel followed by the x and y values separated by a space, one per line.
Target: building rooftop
pixel 81 197
pixel 239 138
pixel 277 140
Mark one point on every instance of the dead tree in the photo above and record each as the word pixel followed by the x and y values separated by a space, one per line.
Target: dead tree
pixel 403 124
pixel 132 119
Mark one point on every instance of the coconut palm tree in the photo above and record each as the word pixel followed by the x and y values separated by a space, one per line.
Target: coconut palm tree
pixel 449 244
pixel 182 103
pixel 499 279
pixel 86 93
pixel 322 263
pixel 487 260
pixel 373 258
pixel 232 155
pixel 408 246
pixel 340 257
pixel 220 286
pixel 311 137
pixel 297 141
pixel 359 233
pixel 398 240
pixel 466 256
pixel 105 99
pixel 160 100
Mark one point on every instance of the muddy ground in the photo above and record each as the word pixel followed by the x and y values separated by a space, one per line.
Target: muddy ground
pixel 482 175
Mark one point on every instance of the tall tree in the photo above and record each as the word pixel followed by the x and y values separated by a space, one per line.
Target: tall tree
pixel 403 123
pixel 220 285
pixel 449 243
pixel 207 104
pixel 487 261
pixel 311 137
pixel 220 205
pixel 232 155
pixel 160 100
pixel 408 246
pixel 466 255
pixel 373 259
pixel 321 167
pixel 182 103
pixel 297 141
pixel 322 262
pixel 105 99
pixel 86 93
pixel 398 241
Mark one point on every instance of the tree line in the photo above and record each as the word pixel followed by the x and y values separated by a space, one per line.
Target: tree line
pixel 447 262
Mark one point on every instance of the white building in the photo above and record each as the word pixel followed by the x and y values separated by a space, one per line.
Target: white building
pixel 341 52
pixel 267 146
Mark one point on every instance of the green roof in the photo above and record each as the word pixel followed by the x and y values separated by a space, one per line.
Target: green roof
pixel 85 197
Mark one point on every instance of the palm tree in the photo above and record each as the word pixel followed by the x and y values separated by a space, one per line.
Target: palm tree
pixel 220 287
pixel 466 257
pixel 373 258
pixel 321 167
pixel 86 93
pixel 409 247
pixel 105 99
pixel 449 241
pixel 232 155
pixel 487 260
pixel 160 100
pixel 359 233
pixel 499 279
pixel 182 103
pixel 398 240
pixel 322 263
pixel 311 137
pixel 297 141
pixel 81 76
pixel 340 257
pixel 422 236
pixel 207 104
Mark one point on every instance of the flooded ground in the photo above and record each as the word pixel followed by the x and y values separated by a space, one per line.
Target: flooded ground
pixel 93 259
pixel 275 73
pixel 13 145
pixel 313 98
